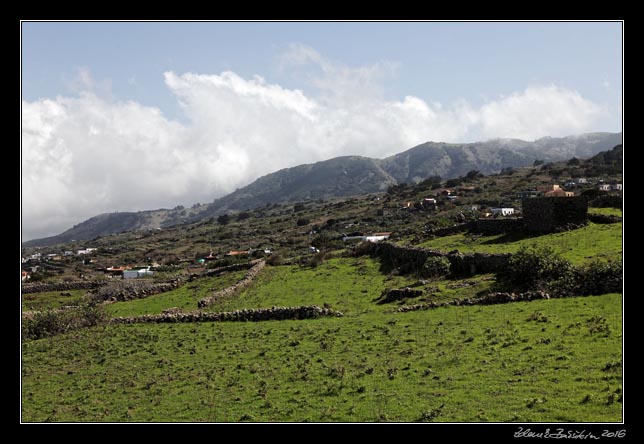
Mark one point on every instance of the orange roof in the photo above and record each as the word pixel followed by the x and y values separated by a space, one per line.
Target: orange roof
pixel 237 252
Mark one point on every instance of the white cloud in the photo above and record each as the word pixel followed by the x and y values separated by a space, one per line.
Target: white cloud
pixel 85 155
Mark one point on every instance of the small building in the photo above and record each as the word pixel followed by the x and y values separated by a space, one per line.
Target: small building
pixel 313 250
pixel 24 276
pixel 377 237
pixel 503 211
pixel 548 187
pixel 428 202
pixel 451 197
pixel 559 193
pixel 86 251
pixel 473 207
pixel 135 274
pixel 238 253
pixel 616 186
pixel 443 192
pixel 582 181
pixel 68 253
pixel 603 187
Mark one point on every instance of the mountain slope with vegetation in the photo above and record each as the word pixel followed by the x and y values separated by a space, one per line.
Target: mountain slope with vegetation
pixel 353 176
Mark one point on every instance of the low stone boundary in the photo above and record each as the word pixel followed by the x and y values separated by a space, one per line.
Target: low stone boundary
pixel 410 259
pixel 127 290
pixel 246 315
pixel 40 287
pixel 489 299
pixel 250 276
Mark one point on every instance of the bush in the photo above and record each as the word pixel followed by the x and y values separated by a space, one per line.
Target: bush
pixel 435 266
pixel 275 259
pixel 303 221
pixel 51 322
pixel 599 278
pixel 536 269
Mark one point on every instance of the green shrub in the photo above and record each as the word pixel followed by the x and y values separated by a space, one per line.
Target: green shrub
pixel 599 278
pixel 50 322
pixel 435 266
pixel 536 269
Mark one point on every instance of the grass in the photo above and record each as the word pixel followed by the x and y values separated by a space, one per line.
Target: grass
pixel 592 242
pixel 553 360
pixel 50 299
pixel 184 297
pixel 349 285
pixel 606 211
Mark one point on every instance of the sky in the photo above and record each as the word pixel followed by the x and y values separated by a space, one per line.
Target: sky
pixel 129 116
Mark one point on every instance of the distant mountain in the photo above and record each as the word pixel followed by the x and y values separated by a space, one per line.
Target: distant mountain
pixel 354 175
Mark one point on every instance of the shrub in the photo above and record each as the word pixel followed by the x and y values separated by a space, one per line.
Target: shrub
pixel 51 322
pixel 599 278
pixel 303 221
pixel 275 259
pixel 435 266
pixel 536 269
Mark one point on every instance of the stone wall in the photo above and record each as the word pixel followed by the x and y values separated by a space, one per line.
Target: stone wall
pixel 38 287
pixel 257 267
pixel 448 231
pixel 127 290
pixel 551 214
pixel 604 218
pixel 410 259
pixel 246 315
pixel 489 299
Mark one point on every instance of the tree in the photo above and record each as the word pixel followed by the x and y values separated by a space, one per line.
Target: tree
pixel 224 219
pixel 473 174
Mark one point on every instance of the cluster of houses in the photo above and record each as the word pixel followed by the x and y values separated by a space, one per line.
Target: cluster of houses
pixel 554 190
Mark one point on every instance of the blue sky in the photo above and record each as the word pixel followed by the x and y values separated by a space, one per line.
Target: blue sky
pixel 186 112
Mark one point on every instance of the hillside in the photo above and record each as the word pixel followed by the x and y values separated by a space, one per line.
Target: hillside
pixel 352 176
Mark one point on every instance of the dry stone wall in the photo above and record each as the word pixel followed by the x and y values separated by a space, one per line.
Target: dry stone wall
pixel 246 315
pixel 38 287
pixel 410 259
pixel 256 268
pixel 489 299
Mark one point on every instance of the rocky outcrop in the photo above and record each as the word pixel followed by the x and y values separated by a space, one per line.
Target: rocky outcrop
pixel 246 315
pixel 256 268
pixel 398 294
pixel 489 299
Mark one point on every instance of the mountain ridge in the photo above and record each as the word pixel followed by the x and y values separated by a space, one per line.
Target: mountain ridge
pixel 346 176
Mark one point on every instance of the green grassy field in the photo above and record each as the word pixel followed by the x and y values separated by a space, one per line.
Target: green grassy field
pixel 549 360
pixel 593 242
pixel 50 299
pixel 606 211
pixel 184 297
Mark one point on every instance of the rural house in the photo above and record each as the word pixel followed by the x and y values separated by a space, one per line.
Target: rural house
pixel 559 193
pixel 528 194
pixel 502 211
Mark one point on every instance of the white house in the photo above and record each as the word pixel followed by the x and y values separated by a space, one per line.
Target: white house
pixel 135 274
pixel 603 187
pixel 503 211
pixel 616 187
pixel 582 180
pixel 377 237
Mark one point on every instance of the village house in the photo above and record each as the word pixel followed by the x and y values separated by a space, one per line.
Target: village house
pixel 428 203
pixel 238 253
pixel 86 251
pixel 559 193
pixel 616 186
pixel 603 187
pixel 582 181
pixel 135 274
pixel 502 211
pixel 377 237
pixel 443 192
pixel 549 187
pixel 25 276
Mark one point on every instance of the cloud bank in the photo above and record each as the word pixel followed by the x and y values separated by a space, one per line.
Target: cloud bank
pixel 89 154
